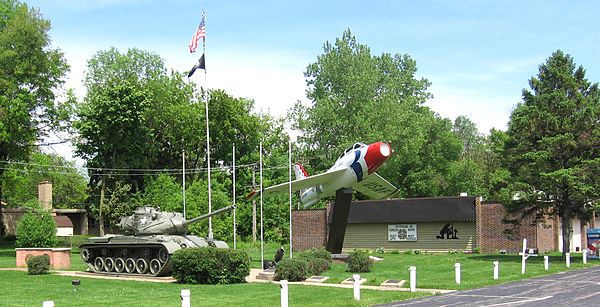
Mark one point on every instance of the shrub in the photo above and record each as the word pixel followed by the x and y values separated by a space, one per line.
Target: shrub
pixel 36 229
pixel 291 269
pixel 359 262
pixel 209 265
pixel 315 253
pixel 37 265
pixel 316 266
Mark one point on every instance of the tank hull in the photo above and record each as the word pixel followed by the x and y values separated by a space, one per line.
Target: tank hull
pixel 137 255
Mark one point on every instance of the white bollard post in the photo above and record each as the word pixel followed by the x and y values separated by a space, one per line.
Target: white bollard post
pixel 568 260
pixel 457 273
pixel 496 268
pixel 48 304
pixel 585 251
pixel 413 278
pixel 185 298
pixel 356 287
pixel 546 263
pixel 524 256
pixel 284 293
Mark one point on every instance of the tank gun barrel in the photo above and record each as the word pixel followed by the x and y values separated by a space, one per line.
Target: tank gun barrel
pixel 205 216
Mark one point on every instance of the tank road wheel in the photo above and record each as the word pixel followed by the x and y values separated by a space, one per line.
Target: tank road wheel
pixel 109 264
pixel 155 266
pixel 130 265
pixel 99 264
pixel 163 255
pixel 119 265
pixel 85 255
pixel 141 265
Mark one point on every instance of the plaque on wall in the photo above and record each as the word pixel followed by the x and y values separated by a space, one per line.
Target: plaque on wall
pixel 402 232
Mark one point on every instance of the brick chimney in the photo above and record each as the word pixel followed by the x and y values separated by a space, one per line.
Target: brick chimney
pixel 45 194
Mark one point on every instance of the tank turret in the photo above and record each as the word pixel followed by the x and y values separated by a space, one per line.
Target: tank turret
pixel 152 221
pixel 156 236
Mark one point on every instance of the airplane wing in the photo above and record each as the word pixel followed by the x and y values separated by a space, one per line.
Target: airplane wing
pixel 297 185
pixel 376 187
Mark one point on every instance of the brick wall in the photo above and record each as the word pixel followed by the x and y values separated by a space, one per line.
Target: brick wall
pixel 491 235
pixel 309 228
pixel 60 258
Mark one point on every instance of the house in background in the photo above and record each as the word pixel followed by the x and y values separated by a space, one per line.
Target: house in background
pixel 78 218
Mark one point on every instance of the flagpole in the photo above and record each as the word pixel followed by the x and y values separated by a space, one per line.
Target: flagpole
pixel 290 190
pixel 262 241
pixel 210 232
pixel 234 208
pixel 183 185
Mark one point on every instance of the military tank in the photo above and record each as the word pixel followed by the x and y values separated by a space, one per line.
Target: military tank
pixel 155 236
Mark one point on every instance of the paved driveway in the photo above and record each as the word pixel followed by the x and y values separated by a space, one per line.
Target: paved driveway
pixel 575 288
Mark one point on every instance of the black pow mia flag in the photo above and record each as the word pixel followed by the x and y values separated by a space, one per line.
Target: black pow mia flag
pixel 200 65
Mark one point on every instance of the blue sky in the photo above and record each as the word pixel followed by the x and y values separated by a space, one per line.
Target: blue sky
pixel 478 55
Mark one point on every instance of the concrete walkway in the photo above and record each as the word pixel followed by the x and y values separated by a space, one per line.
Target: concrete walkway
pixel 252 278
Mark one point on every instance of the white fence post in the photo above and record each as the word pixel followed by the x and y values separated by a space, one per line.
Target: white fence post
pixel 568 260
pixel 185 298
pixel 585 251
pixel 284 293
pixel 356 287
pixel 413 278
pixel 457 273
pixel 48 304
pixel 496 268
pixel 524 256
pixel 546 263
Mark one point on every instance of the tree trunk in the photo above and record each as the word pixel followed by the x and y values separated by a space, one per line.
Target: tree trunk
pixel 101 211
pixel 565 220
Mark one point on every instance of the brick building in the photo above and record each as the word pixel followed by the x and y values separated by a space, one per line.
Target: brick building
pixel 479 226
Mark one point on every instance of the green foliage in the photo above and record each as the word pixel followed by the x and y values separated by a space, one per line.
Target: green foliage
pixel 360 97
pixel 318 260
pixel 314 252
pixel 292 270
pixel 359 262
pixel 36 229
pixel 208 265
pixel 553 147
pixel 38 265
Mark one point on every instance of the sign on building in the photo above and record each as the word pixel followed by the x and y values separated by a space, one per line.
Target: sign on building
pixel 402 232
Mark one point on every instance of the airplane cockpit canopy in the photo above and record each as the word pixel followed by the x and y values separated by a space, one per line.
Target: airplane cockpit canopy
pixel 353 147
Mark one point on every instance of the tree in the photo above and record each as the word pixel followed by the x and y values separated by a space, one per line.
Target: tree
pixel 356 96
pixel 554 145
pixel 30 72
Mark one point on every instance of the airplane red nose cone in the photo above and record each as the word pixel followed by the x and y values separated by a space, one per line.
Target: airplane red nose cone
pixel 377 153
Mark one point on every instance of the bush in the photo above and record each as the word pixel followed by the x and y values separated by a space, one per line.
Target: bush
pixel 316 266
pixel 36 229
pixel 37 265
pixel 359 262
pixel 291 270
pixel 209 265
pixel 315 253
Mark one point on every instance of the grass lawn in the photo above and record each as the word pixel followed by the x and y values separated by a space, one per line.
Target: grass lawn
pixel 434 271
pixel 29 290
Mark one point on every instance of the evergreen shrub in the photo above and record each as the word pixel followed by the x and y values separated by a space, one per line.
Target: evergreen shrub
pixel 36 229
pixel 359 262
pixel 38 265
pixel 291 269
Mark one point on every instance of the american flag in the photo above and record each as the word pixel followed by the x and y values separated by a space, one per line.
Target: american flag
pixel 200 33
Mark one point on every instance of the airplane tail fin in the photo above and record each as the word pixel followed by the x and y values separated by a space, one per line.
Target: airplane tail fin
pixel 300 171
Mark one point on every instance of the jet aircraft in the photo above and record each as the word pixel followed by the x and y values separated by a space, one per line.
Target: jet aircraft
pixel 354 169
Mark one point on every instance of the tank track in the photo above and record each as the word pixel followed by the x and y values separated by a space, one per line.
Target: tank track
pixel 146 260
